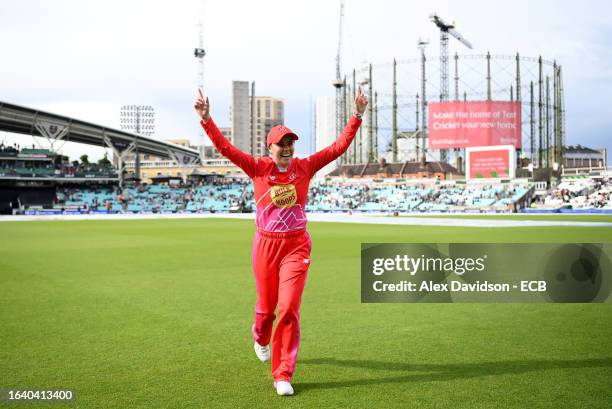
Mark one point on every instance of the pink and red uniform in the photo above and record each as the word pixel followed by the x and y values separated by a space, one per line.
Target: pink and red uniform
pixel 281 248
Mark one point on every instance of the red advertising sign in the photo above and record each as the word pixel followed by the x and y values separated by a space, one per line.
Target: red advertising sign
pixel 493 163
pixel 466 124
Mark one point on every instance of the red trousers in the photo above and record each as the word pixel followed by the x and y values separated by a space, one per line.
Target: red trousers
pixel 280 265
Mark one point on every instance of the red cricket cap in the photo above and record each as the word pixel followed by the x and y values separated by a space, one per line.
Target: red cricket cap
pixel 278 132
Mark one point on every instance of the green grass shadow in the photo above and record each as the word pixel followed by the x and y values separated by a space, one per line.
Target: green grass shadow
pixel 442 372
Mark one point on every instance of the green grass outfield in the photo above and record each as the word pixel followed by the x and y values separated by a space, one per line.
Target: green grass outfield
pixel 568 217
pixel 157 314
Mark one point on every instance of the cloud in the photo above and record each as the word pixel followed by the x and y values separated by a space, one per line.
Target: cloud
pixel 90 57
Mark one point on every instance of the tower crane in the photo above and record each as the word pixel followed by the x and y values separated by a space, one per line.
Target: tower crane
pixel 445 30
pixel 199 54
pixel 339 83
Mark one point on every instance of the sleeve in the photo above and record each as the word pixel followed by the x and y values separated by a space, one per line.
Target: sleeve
pixel 333 151
pixel 241 159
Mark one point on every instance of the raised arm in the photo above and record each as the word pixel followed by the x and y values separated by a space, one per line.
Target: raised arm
pixel 340 145
pixel 241 159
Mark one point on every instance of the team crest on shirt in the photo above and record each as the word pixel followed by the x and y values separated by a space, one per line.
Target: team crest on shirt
pixel 283 195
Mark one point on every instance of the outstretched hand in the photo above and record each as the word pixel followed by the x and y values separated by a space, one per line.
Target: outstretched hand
pixel 361 101
pixel 202 106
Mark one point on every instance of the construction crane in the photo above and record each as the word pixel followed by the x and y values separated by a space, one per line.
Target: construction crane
pixel 445 30
pixel 199 54
pixel 339 83
pixel 422 44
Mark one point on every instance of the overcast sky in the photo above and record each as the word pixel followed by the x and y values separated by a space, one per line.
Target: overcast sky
pixel 85 59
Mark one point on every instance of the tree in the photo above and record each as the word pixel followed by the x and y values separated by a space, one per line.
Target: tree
pixel 84 159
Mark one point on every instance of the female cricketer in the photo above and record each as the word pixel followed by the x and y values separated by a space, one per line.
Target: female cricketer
pixel 281 248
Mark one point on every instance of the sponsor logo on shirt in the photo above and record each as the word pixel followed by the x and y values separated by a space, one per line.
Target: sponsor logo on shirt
pixel 283 195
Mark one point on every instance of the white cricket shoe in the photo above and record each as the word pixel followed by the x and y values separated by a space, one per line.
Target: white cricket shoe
pixel 283 388
pixel 262 352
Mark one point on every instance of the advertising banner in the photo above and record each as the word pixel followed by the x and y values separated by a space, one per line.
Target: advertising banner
pixel 465 124
pixel 490 162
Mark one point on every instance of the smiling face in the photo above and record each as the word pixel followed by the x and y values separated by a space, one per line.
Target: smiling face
pixel 283 151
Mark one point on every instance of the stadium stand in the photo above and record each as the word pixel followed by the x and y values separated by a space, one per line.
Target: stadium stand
pixel 37 181
pixel 17 162
pixel 368 196
pixel 332 195
pixel 576 195
pixel 218 196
